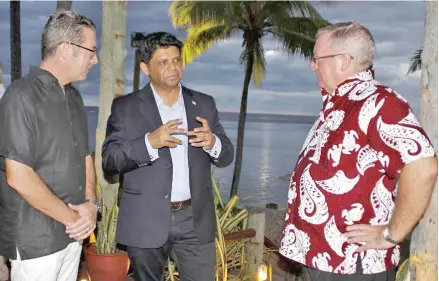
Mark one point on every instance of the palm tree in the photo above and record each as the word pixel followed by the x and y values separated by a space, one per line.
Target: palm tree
pixel 112 60
pixel 415 62
pixel 14 17
pixel 424 248
pixel 292 23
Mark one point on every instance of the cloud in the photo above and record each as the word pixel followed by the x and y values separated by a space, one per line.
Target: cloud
pixel 290 84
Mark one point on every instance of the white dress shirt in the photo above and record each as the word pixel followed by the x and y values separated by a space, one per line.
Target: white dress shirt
pixel 180 172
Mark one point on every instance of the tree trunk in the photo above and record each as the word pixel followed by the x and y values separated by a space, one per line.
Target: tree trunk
pixel 241 125
pixel 63 5
pixel 4 272
pixel 424 250
pixel 14 15
pixel 112 59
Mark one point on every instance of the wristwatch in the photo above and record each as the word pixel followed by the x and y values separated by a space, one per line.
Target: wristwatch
pixel 387 236
pixel 96 203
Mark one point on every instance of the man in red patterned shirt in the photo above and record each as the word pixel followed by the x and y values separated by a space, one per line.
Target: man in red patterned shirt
pixel 345 216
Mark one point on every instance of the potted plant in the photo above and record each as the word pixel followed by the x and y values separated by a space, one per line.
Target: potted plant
pixel 105 262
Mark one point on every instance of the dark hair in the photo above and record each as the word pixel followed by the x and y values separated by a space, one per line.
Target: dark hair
pixel 153 41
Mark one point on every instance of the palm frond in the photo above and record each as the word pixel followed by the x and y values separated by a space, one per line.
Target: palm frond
pixel 256 49
pixel 184 14
pixel 273 10
pixel 415 62
pixel 293 23
pixel 303 9
pixel 297 35
pixel 258 74
pixel 201 37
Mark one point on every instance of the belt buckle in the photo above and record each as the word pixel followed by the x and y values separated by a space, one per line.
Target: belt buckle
pixel 176 206
pixel 180 204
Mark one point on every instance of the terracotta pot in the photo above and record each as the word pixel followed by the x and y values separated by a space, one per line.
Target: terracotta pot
pixel 106 267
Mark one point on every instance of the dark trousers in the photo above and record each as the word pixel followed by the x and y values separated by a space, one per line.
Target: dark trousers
pixel 318 275
pixel 195 261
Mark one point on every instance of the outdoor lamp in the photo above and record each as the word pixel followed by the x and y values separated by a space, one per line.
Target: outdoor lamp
pixel 83 276
pixel 136 42
pixel 262 272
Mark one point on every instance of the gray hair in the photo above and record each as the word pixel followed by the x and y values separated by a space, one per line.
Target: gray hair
pixel 354 39
pixel 63 26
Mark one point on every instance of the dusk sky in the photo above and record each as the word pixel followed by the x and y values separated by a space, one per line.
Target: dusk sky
pixel 290 85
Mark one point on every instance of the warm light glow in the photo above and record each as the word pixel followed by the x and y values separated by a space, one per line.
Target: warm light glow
pixel 83 279
pixel 262 272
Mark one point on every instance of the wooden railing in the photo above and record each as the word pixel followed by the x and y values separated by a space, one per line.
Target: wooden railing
pixel 239 235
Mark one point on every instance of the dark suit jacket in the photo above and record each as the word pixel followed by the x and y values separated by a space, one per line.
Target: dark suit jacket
pixel 144 214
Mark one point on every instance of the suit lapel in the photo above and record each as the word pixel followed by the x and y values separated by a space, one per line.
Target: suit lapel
pixel 192 111
pixel 191 108
pixel 147 107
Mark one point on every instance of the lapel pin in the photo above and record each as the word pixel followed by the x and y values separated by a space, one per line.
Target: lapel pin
pixel 194 103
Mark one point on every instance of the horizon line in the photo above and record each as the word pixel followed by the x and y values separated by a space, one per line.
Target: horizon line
pixel 250 111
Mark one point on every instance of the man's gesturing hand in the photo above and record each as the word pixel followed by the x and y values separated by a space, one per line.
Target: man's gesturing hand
pixel 162 137
pixel 202 136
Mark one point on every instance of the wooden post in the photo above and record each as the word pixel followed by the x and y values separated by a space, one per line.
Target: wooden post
pixel 255 247
pixel 424 249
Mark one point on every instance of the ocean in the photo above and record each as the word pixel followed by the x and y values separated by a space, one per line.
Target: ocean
pixel 272 144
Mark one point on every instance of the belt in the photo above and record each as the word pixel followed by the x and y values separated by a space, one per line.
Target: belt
pixel 180 205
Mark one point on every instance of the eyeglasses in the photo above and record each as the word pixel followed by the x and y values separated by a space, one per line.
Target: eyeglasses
pixel 94 51
pixel 315 58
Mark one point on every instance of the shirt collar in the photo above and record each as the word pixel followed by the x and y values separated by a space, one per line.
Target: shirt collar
pixel 159 100
pixel 363 76
pixel 44 76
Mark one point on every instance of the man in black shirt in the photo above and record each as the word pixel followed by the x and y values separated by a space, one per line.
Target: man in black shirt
pixel 47 189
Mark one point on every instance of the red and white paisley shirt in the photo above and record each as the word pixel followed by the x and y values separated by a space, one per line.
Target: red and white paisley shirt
pixel 346 174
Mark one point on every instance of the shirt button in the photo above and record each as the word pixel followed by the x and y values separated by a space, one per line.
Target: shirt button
pixel 80 187
pixel 169 165
pixel 76 144
pixel 166 196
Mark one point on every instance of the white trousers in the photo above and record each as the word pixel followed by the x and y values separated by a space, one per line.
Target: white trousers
pixel 59 266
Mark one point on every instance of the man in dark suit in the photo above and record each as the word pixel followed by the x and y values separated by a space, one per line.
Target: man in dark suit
pixel 163 139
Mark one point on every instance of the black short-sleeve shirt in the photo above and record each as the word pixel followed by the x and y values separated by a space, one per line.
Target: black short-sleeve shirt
pixel 45 129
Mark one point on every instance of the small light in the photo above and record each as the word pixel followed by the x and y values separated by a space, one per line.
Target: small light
pixel 262 272
pixel 83 276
